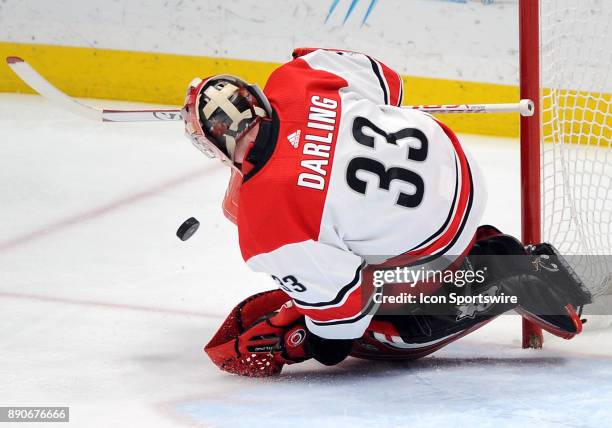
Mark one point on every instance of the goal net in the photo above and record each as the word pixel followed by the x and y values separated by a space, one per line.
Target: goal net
pixel 576 129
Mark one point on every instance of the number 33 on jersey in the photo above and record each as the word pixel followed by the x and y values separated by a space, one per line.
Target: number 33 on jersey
pixel 348 179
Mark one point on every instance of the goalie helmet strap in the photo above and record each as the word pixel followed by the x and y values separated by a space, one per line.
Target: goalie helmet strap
pixel 264 146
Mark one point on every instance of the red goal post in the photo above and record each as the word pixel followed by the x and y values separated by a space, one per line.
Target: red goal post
pixel 529 58
pixel 566 146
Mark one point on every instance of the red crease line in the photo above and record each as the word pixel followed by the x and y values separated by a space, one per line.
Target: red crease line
pixel 52 299
pixel 98 211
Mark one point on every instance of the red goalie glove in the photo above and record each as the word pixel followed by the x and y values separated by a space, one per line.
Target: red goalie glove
pixel 256 341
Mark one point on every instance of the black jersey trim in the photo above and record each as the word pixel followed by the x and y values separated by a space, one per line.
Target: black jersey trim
pixel 343 292
pixel 264 146
pixel 466 216
pixel 448 218
pixel 366 311
pixel 381 80
pixel 468 209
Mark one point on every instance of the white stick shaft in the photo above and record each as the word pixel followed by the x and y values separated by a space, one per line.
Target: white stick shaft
pixel 47 90
pixel 524 107
pixel 141 115
pixel 41 85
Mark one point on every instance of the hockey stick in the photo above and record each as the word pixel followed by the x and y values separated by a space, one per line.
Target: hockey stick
pixel 524 107
pixel 33 79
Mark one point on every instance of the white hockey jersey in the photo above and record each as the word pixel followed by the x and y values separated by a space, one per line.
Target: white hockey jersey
pixel 348 179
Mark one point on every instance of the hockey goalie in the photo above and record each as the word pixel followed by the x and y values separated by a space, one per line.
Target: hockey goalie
pixel 332 182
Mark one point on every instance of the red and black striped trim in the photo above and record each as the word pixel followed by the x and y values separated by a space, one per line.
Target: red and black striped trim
pixel 341 294
pixel 381 80
pixel 442 228
pixel 368 310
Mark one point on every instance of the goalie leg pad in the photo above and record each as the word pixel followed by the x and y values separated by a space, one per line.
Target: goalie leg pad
pixel 563 285
pixel 548 289
pixel 410 337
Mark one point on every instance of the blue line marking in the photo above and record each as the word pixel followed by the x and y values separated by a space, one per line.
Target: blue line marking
pixel 350 10
pixel 331 9
pixel 370 7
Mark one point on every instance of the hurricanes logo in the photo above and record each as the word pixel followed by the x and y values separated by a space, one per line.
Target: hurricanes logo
pixel 296 338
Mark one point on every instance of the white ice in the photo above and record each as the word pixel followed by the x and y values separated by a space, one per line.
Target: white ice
pixel 104 310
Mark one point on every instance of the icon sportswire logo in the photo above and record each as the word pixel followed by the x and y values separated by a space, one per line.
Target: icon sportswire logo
pixel 294 138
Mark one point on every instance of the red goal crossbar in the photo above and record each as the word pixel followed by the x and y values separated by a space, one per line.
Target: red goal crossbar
pixel 529 53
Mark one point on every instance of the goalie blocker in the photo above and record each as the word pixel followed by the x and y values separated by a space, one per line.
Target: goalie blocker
pixel 265 331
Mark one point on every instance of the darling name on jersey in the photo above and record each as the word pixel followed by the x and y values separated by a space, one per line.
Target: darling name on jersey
pixel 321 126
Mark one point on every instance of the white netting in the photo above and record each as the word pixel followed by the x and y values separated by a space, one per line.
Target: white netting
pixel 576 62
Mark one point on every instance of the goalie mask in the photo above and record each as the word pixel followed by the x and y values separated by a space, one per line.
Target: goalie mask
pixel 219 111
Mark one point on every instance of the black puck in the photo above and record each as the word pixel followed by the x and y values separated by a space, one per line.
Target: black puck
pixel 187 229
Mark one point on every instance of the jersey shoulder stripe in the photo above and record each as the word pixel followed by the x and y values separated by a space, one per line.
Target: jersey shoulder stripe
pixel 383 83
pixel 390 81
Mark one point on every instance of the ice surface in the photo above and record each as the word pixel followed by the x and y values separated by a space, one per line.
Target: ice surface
pixel 104 310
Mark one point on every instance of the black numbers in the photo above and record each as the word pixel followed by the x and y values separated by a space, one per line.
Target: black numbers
pixel 418 155
pixel 290 284
pixel 387 175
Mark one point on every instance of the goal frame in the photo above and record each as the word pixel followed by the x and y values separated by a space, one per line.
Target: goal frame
pixel 530 134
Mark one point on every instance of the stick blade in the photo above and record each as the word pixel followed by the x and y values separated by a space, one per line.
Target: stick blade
pixel 36 81
pixel 41 85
